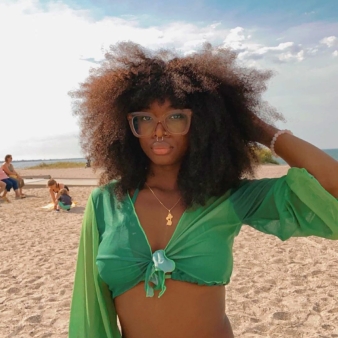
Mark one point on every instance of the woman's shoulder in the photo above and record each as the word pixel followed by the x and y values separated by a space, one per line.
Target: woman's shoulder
pixel 104 191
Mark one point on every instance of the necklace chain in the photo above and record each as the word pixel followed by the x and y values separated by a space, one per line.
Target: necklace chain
pixel 169 216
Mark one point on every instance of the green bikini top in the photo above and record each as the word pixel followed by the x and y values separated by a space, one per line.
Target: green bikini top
pixel 115 253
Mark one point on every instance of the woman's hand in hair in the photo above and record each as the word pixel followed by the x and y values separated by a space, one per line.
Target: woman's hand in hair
pixel 264 131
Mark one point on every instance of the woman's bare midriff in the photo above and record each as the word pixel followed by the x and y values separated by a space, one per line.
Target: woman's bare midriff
pixel 185 310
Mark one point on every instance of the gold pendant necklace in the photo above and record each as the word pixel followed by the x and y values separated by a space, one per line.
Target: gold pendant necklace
pixel 169 217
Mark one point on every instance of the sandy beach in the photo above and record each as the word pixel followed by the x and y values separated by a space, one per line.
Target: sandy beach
pixel 278 289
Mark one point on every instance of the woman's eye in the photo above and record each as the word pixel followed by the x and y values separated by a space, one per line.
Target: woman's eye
pixel 145 118
pixel 177 116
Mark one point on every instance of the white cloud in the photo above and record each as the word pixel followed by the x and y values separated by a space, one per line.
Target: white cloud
pixel 249 47
pixel 235 37
pixel 330 41
pixel 47 51
pixel 244 43
pixel 291 56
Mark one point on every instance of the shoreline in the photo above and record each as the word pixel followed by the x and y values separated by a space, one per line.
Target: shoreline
pixel 264 170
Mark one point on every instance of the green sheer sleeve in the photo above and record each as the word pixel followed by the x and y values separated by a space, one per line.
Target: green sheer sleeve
pixel 92 311
pixel 291 206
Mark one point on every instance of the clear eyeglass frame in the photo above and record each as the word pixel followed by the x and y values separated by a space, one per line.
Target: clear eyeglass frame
pixel 158 120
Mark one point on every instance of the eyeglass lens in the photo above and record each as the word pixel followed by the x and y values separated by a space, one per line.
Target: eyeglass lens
pixel 175 123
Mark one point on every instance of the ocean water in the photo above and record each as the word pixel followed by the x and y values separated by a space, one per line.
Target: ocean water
pixel 30 163
pixel 332 152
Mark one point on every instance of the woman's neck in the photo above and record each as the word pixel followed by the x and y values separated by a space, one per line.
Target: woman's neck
pixel 163 177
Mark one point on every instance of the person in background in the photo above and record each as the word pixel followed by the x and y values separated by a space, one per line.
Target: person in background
pixel 2 187
pixel 8 168
pixel 10 183
pixel 88 163
pixel 63 200
pixel 54 188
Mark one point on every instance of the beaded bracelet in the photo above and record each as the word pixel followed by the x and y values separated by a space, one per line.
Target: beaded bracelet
pixel 274 139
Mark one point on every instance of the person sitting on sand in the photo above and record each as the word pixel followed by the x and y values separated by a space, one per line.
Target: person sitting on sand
pixel 2 187
pixel 54 189
pixel 10 183
pixel 8 168
pixel 63 200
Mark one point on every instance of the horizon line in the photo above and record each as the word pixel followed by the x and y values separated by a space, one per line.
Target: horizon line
pixel 84 158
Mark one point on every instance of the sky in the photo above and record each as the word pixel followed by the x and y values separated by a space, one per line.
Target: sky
pixel 48 48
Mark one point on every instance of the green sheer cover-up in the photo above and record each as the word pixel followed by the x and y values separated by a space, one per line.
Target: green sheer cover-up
pixel 114 254
pixel 92 310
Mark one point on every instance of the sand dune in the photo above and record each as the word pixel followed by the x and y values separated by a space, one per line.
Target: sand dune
pixel 278 289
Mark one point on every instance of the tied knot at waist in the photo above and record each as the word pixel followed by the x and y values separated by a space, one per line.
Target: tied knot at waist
pixel 156 270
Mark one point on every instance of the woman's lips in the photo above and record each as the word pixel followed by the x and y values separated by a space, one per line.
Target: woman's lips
pixel 161 148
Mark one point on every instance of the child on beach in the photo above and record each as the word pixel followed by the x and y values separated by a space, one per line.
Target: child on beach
pixel 63 200
pixel 54 189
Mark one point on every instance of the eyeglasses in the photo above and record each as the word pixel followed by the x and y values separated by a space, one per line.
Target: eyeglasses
pixel 176 122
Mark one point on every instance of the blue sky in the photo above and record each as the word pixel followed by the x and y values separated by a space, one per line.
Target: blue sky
pixel 48 47
pixel 273 14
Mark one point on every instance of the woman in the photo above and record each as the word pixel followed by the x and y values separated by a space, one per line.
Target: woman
pixel 2 187
pixel 175 137
pixel 10 183
pixel 8 168
pixel 54 190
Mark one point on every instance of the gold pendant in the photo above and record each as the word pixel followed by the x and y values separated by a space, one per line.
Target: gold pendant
pixel 169 218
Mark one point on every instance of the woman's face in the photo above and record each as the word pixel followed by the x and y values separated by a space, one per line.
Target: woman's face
pixel 161 147
pixel 9 159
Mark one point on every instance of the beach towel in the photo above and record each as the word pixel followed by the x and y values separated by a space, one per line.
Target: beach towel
pixel 50 206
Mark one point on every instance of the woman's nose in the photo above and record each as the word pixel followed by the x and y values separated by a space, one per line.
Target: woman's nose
pixel 159 130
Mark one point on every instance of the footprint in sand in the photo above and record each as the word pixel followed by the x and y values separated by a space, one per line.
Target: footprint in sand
pixel 13 290
pixel 281 315
pixel 34 319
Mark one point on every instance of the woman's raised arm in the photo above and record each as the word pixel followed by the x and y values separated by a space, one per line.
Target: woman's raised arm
pixel 301 154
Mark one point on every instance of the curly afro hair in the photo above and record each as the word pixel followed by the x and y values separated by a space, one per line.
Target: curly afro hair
pixel 224 96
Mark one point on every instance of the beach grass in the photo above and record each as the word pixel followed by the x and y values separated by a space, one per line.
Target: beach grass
pixel 265 156
pixel 58 165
